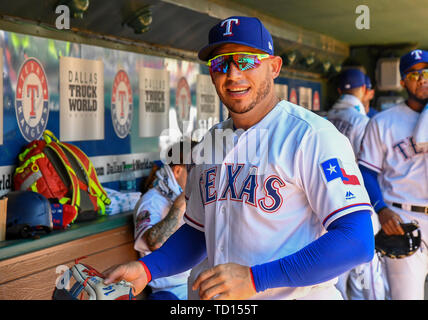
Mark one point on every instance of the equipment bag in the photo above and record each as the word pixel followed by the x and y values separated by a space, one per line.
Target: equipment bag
pixel 61 171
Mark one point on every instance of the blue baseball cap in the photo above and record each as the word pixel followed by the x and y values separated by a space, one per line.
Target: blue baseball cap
pixel 410 59
pixel 368 82
pixel 248 31
pixel 351 78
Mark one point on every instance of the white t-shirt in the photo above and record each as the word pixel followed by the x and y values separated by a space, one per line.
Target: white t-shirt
pixel 299 176
pixel 150 209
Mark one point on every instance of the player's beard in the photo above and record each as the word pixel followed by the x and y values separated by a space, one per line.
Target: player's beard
pixel 262 93
pixel 423 100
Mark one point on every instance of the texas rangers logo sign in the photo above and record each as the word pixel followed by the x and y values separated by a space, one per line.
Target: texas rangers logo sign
pixel 121 104
pixel 183 99
pixel 32 99
pixel 316 101
pixel 293 96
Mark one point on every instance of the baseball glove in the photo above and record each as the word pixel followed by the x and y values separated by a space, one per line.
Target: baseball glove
pixel 399 246
pixel 90 281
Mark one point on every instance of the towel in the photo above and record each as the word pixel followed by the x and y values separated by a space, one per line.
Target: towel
pixel 167 185
pixel 420 133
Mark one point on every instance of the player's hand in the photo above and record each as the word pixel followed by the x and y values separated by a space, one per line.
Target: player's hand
pixel 225 282
pixel 390 222
pixel 132 272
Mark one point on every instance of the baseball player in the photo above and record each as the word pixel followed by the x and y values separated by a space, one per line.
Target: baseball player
pixel 348 114
pixel 158 214
pixel 284 223
pixel 368 96
pixel 394 167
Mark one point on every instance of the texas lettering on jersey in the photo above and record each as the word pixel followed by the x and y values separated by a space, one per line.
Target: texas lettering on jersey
pixel 245 191
pixel 407 148
pixel 345 127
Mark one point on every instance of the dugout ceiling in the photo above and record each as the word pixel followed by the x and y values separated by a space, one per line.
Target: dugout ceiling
pixel 391 21
pixel 312 32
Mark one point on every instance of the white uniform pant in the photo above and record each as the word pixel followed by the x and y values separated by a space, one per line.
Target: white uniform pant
pixel 328 293
pixel 364 282
pixel 407 276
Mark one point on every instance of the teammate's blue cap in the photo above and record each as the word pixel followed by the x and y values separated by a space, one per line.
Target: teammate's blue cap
pixel 247 31
pixel 410 59
pixel 368 82
pixel 351 78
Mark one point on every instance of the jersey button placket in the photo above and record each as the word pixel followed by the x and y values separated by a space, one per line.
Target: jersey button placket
pixel 220 222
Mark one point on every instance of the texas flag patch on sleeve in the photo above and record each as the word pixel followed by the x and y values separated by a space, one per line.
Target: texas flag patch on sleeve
pixel 333 169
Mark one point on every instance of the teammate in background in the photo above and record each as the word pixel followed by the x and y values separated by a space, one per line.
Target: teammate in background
pixel 277 226
pixel 370 92
pixel 348 114
pixel 394 168
pixel 157 215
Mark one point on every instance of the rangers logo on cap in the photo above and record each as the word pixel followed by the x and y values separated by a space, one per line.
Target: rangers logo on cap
pixel 32 99
pixel 411 58
pixel 121 104
pixel 417 54
pixel 228 24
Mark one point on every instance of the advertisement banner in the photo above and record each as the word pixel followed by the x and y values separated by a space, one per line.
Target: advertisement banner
pixel 281 91
pixel 121 104
pixel 316 104
pixel 32 99
pixel 183 100
pixel 109 167
pixel 305 97
pixel 81 99
pixel 1 98
pixel 154 102
pixel 207 102
pixel 6 176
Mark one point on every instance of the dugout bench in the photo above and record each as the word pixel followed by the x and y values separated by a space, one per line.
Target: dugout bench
pixel 29 268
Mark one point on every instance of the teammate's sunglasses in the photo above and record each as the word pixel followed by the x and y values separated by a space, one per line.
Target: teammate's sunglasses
pixel 242 60
pixel 415 74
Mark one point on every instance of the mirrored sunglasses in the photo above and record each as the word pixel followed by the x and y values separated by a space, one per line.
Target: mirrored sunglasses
pixel 415 74
pixel 242 60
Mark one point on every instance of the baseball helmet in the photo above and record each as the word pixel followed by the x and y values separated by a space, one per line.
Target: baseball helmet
pixel 28 214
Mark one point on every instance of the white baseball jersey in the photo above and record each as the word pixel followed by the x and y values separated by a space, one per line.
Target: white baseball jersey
pixel 349 117
pixel 389 149
pixel 299 175
pixel 150 209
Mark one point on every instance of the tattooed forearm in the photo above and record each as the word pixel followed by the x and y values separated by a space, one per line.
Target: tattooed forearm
pixel 161 231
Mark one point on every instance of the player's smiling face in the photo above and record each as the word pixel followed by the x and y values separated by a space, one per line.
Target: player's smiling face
pixel 242 91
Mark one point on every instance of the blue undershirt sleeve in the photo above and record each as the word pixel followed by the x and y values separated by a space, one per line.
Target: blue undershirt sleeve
pixel 373 189
pixel 349 242
pixel 180 252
